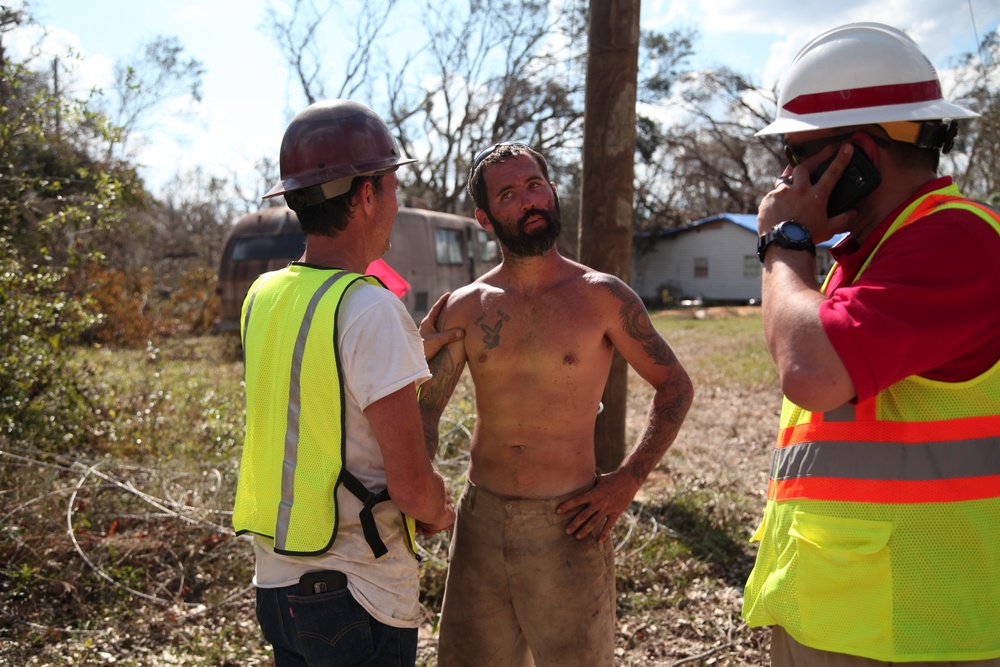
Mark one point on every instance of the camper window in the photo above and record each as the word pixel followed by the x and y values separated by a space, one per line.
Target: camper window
pixel 486 248
pixel 448 246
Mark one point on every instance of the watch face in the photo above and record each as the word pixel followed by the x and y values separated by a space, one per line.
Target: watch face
pixel 795 233
pixel 788 234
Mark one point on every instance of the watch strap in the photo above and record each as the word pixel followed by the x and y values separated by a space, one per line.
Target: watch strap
pixel 777 236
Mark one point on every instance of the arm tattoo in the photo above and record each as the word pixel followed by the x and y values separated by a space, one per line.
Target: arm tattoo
pixel 436 390
pixel 662 426
pixel 672 398
pixel 434 395
pixel 637 325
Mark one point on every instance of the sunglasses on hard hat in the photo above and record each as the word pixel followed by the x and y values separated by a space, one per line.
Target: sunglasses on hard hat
pixel 486 152
pixel 799 153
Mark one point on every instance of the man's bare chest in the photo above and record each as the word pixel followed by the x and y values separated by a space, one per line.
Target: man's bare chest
pixel 516 334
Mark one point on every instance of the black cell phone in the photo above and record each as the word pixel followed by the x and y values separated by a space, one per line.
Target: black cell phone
pixel 324 581
pixel 859 180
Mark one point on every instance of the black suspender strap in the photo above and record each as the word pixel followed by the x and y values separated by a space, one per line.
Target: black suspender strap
pixel 369 500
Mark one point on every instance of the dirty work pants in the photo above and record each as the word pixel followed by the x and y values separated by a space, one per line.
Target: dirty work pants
pixel 520 589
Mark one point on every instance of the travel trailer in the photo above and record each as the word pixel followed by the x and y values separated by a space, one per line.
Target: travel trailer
pixel 433 252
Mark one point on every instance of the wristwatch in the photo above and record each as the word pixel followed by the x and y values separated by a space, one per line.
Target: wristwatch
pixel 788 234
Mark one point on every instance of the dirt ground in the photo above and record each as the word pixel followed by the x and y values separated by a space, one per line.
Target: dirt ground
pixel 683 553
pixel 724 447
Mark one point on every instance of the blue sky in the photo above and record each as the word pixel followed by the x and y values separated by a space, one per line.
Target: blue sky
pixel 248 98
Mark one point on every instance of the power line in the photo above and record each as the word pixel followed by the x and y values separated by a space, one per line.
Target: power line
pixel 975 34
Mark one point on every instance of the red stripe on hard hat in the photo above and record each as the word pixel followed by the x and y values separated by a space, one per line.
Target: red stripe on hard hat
pixel 860 98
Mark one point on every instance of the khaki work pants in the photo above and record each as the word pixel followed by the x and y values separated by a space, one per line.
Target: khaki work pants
pixel 521 591
pixel 786 652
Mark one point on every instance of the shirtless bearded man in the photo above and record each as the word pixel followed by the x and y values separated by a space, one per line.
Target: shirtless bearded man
pixel 531 571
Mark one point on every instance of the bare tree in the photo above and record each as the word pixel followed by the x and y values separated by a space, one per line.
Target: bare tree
pixel 247 192
pixel 497 74
pixel 489 71
pixel 158 73
pixel 297 28
pixel 975 161
pixel 296 38
pixel 708 161
pixel 194 217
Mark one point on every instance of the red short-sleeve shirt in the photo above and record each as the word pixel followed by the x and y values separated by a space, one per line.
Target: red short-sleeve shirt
pixel 928 304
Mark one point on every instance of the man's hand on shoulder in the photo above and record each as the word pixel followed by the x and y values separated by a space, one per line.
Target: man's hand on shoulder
pixel 600 507
pixel 433 339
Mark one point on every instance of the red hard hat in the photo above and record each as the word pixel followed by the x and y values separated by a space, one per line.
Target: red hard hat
pixel 331 142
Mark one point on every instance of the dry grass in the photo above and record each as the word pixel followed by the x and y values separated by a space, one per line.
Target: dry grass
pixel 128 559
pixel 680 595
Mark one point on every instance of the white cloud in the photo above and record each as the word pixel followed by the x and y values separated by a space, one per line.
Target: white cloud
pixel 246 93
pixel 81 71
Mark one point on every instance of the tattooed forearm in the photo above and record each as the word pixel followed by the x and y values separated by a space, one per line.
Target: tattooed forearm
pixel 431 437
pixel 663 423
pixel 442 366
pixel 434 395
pixel 666 416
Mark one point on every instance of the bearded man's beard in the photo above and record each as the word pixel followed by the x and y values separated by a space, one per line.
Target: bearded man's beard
pixel 530 244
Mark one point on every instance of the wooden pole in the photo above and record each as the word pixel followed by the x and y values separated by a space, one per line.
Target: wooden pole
pixel 607 189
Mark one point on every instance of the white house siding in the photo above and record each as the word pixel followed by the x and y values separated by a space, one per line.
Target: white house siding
pixel 671 263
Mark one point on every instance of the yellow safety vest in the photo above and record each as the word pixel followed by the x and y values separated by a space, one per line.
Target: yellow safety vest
pixel 881 533
pixel 293 453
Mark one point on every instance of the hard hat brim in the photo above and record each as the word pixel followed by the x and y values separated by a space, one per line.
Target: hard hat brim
pixel 918 111
pixel 336 186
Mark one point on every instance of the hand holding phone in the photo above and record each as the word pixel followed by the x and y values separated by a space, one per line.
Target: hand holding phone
pixel 859 180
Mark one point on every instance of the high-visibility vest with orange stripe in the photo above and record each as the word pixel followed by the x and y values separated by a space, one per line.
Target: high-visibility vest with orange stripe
pixel 293 451
pixel 881 533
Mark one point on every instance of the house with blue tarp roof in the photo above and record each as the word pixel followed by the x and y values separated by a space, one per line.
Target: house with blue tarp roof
pixel 713 259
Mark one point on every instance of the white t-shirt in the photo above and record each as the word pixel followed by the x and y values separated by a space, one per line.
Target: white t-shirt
pixel 380 352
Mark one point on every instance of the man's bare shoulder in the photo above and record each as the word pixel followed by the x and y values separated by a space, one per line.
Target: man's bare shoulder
pixel 466 300
pixel 607 285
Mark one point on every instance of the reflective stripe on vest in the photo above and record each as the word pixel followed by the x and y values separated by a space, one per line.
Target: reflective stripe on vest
pixel 895 461
pixel 286 492
pixel 881 533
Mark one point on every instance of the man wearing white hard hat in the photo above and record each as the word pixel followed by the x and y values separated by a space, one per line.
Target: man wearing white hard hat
pixel 880 541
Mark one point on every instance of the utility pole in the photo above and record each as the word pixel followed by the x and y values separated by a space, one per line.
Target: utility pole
pixel 608 172
pixel 56 93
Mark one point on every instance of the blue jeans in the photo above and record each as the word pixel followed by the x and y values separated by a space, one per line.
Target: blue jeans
pixel 330 630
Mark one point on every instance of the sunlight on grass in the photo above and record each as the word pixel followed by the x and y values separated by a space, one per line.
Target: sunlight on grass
pixel 730 349
pixel 182 400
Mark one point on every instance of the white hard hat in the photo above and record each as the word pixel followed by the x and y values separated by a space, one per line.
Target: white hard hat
pixel 860 74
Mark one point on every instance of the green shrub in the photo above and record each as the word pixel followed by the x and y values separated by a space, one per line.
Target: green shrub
pixel 45 396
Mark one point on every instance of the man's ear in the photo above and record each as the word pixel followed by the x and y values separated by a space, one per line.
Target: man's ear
pixel 483 220
pixel 864 142
pixel 364 197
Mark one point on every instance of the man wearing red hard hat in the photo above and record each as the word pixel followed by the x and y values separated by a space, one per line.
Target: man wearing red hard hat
pixel 335 478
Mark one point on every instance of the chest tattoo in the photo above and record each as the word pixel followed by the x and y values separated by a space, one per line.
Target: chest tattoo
pixel 491 338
